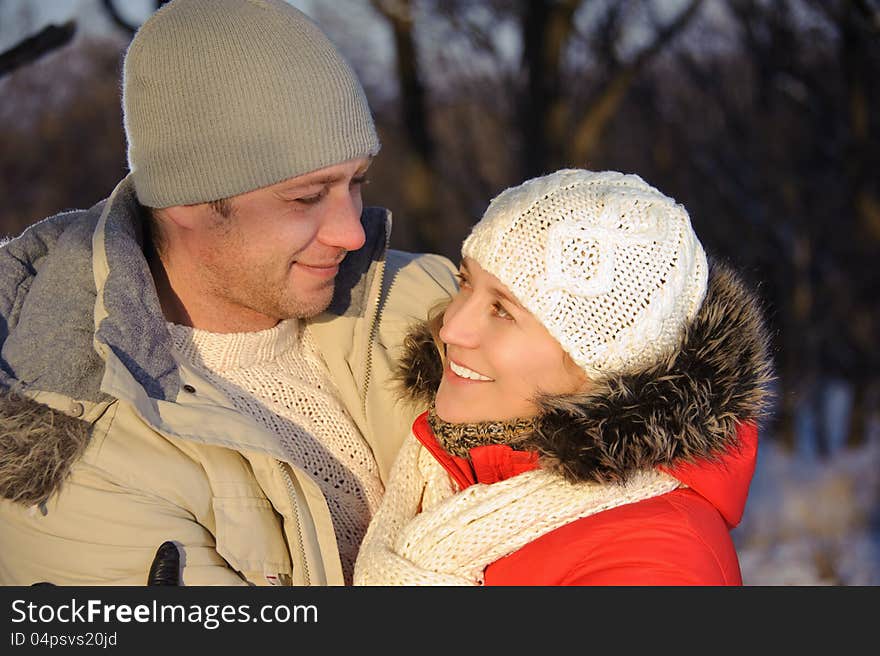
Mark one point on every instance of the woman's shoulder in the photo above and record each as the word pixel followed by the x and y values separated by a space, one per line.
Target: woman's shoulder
pixel 674 539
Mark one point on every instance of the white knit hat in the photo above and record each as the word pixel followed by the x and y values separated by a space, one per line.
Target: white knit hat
pixel 608 264
pixel 221 97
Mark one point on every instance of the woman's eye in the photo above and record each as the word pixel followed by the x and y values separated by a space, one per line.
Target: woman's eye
pixel 501 313
pixel 462 281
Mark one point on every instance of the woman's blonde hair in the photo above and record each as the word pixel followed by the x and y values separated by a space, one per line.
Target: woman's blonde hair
pixel 435 323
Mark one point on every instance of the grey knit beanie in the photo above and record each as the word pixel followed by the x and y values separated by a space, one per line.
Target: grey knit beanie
pixel 221 97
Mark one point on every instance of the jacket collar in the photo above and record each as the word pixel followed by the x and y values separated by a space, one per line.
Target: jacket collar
pixel 489 463
pixel 723 481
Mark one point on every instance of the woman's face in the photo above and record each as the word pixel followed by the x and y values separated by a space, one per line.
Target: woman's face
pixel 498 355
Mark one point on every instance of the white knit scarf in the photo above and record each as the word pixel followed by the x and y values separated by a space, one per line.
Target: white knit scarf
pixel 427 534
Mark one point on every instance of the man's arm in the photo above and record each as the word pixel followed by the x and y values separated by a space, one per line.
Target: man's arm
pixel 96 532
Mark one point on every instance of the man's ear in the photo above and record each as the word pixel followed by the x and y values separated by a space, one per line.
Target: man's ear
pixel 184 217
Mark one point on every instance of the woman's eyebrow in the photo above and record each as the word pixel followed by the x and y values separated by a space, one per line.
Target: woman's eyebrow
pixel 503 295
pixel 507 297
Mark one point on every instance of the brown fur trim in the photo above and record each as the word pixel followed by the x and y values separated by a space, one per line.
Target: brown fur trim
pixel 420 369
pixel 38 445
pixel 686 406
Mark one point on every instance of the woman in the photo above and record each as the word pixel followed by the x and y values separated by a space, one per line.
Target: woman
pixel 592 393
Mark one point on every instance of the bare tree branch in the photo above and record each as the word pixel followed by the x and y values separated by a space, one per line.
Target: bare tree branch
pixel 116 17
pixel 869 12
pixel 34 47
pixel 478 36
pixel 119 21
pixel 593 122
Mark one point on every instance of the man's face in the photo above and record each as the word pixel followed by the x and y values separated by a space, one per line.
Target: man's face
pixel 276 255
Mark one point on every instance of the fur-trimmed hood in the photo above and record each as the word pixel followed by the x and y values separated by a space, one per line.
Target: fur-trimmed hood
pixel 687 407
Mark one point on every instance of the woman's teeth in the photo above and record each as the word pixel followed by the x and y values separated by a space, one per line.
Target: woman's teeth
pixel 464 372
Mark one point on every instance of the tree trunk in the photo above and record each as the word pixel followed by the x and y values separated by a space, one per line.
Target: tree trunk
pixel 546 27
pixel 785 428
pixel 418 178
pixel 34 47
pixel 857 426
pixel 602 109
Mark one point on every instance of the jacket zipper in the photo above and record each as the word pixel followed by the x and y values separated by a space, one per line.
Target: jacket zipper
pixel 374 329
pixel 377 316
pixel 297 517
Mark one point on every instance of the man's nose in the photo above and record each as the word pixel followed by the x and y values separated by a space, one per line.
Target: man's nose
pixel 341 227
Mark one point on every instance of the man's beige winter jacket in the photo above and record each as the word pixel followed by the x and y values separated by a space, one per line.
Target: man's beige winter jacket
pixel 109 446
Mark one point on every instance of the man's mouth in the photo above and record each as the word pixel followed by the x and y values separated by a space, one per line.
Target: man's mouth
pixel 325 269
pixel 329 265
pixel 321 270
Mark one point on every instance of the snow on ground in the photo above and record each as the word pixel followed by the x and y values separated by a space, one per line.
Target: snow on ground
pixel 812 522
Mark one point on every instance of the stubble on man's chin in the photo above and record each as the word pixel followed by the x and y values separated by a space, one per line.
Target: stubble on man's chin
pixel 298 308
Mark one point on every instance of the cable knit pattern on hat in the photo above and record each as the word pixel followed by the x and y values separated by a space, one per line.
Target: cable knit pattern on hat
pixel 426 534
pixel 277 377
pixel 221 97
pixel 606 262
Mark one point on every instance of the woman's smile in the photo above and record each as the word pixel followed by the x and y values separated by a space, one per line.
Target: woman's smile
pixel 461 371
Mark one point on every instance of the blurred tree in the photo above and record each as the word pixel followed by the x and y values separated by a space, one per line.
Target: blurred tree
pixel 34 47
pixel 593 118
pixel 543 119
pixel 546 29
pixel 61 130
pixel 119 20
pixel 417 171
pixel 759 116
pixel 780 145
pixel 859 54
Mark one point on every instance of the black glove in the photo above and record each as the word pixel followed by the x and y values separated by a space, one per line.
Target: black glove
pixel 165 569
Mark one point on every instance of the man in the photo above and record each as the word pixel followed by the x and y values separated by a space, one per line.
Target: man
pixel 207 355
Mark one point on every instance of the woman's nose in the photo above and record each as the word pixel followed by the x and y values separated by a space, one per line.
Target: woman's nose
pixel 461 324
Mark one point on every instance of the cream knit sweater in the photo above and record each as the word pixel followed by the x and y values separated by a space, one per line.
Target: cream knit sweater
pixel 278 377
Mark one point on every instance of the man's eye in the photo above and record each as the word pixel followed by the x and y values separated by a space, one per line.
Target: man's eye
pixel 462 281
pixel 360 181
pixel 314 199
